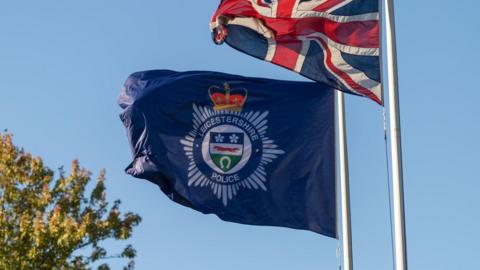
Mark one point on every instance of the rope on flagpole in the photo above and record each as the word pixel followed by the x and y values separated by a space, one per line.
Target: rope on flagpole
pixel 388 184
pixel 339 252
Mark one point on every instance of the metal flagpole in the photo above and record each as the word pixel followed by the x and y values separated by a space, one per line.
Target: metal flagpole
pixel 396 142
pixel 344 183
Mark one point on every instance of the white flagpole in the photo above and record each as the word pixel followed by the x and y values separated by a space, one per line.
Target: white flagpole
pixel 344 183
pixel 396 142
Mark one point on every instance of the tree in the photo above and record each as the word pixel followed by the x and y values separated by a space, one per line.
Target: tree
pixel 48 222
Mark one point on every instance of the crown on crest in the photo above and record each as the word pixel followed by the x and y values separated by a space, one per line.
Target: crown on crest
pixel 227 98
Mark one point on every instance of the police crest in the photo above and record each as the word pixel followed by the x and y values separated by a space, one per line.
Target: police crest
pixel 228 149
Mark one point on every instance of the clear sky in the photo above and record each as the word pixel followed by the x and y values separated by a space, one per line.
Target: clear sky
pixel 62 64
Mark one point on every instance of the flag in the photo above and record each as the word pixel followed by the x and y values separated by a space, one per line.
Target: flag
pixel 249 150
pixel 335 42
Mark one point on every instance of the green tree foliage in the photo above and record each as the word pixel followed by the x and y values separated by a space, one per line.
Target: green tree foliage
pixel 48 222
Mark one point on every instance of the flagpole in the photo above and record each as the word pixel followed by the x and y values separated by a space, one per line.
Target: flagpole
pixel 395 142
pixel 344 183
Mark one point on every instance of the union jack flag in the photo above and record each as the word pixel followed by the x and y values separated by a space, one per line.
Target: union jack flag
pixel 335 42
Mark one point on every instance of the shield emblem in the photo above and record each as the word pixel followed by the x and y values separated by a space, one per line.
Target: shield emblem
pixel 226 149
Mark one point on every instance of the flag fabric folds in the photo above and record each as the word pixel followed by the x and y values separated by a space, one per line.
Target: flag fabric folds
pixel 249 150
pixel 330 41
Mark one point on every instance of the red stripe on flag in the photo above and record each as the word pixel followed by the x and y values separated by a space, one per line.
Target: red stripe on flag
pixel 363 34
pixel 285 8
pixel 286 53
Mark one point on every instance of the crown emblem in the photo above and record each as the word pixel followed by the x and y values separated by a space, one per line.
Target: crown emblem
pixel 227 98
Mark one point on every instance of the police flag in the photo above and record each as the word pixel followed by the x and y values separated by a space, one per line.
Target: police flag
pixel 249 150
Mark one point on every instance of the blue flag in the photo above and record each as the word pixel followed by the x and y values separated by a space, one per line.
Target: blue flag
pixel 250 150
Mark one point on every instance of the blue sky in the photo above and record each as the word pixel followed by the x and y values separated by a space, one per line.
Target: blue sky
pixel 62 64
